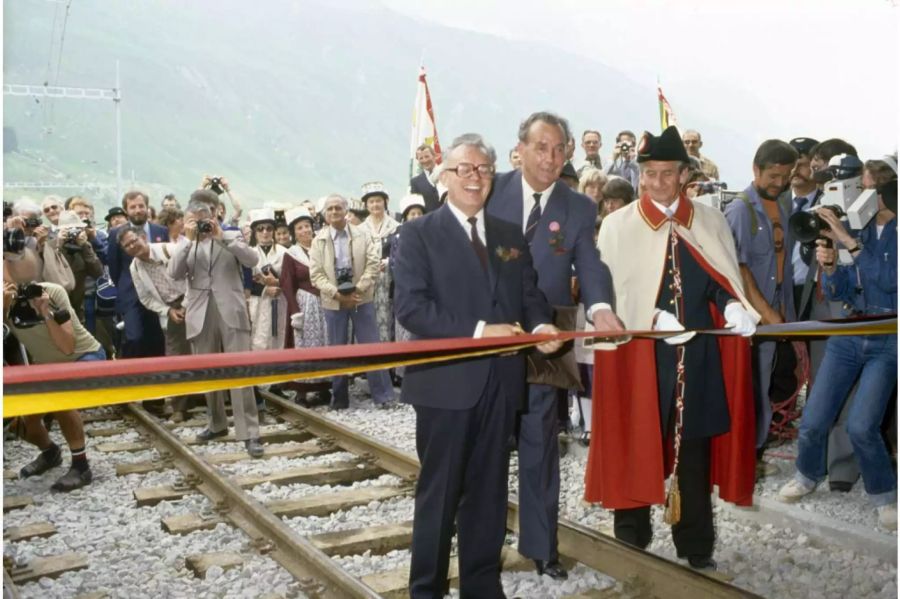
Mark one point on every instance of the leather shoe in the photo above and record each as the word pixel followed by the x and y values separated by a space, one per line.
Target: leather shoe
pixel 254 448
pixel 840 486
pixel 207 435
pixel 552 569
pixel 41 464
pixel 702 562
pixel 73 479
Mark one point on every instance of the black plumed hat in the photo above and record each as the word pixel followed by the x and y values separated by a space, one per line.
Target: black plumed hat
pixel 667 147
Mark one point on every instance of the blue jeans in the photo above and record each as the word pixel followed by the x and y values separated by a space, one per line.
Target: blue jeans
pixel 92 356
pixel 873 360
pixel 365 330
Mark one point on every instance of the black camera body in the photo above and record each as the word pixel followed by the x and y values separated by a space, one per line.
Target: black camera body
pixel 215 184
pixel 33 222
pixel 22 315
pixel 806 227
pixel 13 241
pixel 625 147
pixel 204 226
pixel 345 284
pixel 70 240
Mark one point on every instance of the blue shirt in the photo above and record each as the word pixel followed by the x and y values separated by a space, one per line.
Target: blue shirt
pixel 629 171
pixel 874 271
pixel 756 250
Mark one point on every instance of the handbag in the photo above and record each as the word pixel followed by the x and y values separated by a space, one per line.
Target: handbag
pixel 558 369
pixel 56 268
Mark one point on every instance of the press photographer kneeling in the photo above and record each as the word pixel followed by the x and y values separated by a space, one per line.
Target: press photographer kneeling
pixel 41 318
pixel 866 286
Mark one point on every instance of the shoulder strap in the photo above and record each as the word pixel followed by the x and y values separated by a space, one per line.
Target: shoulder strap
pixel 754 223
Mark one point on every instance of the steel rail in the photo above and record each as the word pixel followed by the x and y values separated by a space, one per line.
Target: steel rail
pixel 318 574
pixel 641 571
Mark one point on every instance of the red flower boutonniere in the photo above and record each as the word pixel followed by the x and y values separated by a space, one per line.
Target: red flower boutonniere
pixel 507 254
pixel 557 238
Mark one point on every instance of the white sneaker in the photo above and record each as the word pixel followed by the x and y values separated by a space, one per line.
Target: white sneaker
pixel 887 516
pixel 793 490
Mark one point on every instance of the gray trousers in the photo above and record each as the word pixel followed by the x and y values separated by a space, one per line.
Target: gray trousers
pixel 177 345
pixel 216 337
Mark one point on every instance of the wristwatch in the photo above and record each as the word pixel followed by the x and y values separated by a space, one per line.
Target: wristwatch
pixel 857 248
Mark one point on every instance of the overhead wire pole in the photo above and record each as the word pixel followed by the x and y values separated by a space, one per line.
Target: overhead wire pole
pixel 75 93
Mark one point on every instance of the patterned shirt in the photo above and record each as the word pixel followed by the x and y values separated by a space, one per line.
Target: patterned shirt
pixel 168 288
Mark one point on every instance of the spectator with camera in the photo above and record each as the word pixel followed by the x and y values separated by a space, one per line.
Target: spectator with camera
pixel 345 264
pixel 216 316
pixel 867 286
pixel 72 241
pixel 85 211
pixel 267 304
pixel 623 159
pixel 380 225
pixel 41 318
pixel 219 185
pixel 26 216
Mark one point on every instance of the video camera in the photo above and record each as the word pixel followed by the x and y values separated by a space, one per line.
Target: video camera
pixel 345 285
pixel 843 194
pixel 23 316
pixel 714 194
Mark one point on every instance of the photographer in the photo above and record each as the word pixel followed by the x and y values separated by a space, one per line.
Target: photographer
pixel 40 316
pixel 85 211
pixel 345 265
pixel 26 215
pixel 868 286
pixel 623 159
pixel 216 317
pixel 74 245
pixel 219 185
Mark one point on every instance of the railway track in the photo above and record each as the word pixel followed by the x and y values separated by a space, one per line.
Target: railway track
pixel 310 559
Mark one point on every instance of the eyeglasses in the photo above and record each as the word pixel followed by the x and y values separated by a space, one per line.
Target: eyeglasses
pixel 264 229
pixel 464 169
pixel 49 208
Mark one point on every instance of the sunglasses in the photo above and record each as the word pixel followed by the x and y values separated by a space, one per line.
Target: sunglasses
pixel 265 228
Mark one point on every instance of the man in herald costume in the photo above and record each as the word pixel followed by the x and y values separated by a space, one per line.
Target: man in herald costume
pixel 686 403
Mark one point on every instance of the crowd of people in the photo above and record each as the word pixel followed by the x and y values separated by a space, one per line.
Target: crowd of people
pixel 626 242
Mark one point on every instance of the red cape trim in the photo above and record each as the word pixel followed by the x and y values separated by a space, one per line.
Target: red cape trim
pixel 654 218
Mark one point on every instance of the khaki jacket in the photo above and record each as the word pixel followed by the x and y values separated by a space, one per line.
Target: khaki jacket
pixel 365 256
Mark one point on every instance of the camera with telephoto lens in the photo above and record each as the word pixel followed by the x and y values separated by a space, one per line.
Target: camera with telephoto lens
pixel 204 226
pixel 23 316
pixel 13 241
pixel 345 285
pixel 215 184
pixel 809 226
pixel 33 222
pixel 7 210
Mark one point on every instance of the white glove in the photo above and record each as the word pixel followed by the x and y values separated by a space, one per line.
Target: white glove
pixel 739 320
pixel 666 321
pixel 297 320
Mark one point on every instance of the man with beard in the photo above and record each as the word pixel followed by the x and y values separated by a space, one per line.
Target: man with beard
pixel 763 241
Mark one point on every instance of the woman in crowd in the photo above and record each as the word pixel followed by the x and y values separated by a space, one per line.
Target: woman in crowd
pixel 591 184
pixel 267 304
pixel 867 286
pixel 380 226
pixel 306 327
pixel 173 220
pixel 283 235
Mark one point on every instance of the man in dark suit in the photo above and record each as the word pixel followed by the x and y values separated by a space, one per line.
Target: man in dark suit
pixel 558 224
pixel 421 183
pixel 462 274
pixel 143 336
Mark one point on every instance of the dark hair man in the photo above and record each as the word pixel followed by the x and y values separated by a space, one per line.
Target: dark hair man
pixel 683 388
pixel 451 281
pixel 558 224
pixel 622 163
pixel 763 240
pixel 422 183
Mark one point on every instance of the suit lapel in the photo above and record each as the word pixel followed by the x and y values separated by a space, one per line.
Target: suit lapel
pixel 493 259
pixel 557 211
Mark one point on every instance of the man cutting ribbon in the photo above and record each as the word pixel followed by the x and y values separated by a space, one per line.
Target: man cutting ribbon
pixel 676 391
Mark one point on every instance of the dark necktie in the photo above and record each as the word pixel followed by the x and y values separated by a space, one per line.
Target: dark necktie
pixel 477 245
pixel 533 217
pixel 800 203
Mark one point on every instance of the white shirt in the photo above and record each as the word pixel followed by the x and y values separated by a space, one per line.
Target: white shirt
pixel 528 200
pixel 341 248
pixel 671 208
